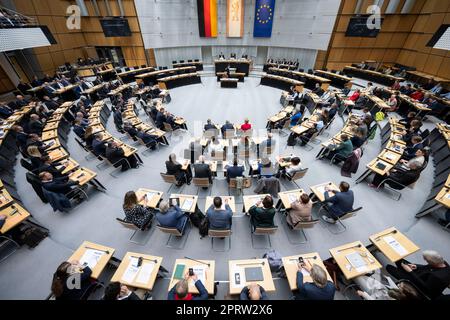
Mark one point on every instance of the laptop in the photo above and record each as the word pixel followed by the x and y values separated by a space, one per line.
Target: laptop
pixel 254 274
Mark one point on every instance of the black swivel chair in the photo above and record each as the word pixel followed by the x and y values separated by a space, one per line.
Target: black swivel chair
pixel 181 61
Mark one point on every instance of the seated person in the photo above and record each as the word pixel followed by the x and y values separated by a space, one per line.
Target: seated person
pixel 409 118
pixel 339 202
pixel 246 126
pixel 35 140
pixel 295 118
pixel 181 290
pixel 5 111
pixel 57 185
pixel 209 126
pixel 355 96
pixel 61 280
pixel 432 278
pixel 358 139
pixel 202 170
pixel 136 213
pixel 21 136
pixel 171 216
pixel 84 122
pixel 118 291
pixel 253 292
pixel 265 168
pixel 160 119
pixel 78 129
pixel 342 150
pixel 50 167
pixel 99 145
pixel 419 159
pixel 318 90
pixel 414 130
pixel 235 171
pixel 35 156
pixel 176 169
pixel 35 125
pixel 262 213
pixel 228 126
pixel 320 289
pixel 128 128
pixel 267 143
pixel 300 211
pixel 150 140
pixel 411 149
pixel 392 103
pixel 333 111
pixel 417 95
pixel 294 166
pixel 398 178
pixel 115 154
pixel 219 218
pixel 372 287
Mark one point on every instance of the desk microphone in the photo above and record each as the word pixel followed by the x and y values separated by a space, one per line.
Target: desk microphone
pixel 208 264
pixel 105 251
pixel 385 234
pixel 357 246
pixel 140 259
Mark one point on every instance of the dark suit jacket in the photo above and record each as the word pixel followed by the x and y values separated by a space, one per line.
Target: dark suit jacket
pixel 262 217
pixel 202 170
pixel 431 281
pixel 114 154
pixel 59 185
pixel 234 172
pixel 76 294
pixel 99 147
pixel 342 202
pixel 404 177
pixel 309 291
pixel 173 218
pixel 219 219
pixel 36 126
pixel 174 169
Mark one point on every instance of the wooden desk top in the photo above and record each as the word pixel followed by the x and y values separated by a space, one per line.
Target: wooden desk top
pixel 299 129
pixel 372 166
pixel 231 203
pixel 178 76
pixel 239 266
pixel 15 215
pixel 250 201
pixel 303 74
pixel 51 126
pixel 340 256
pixel 187 63
pixel 128 273
pixel 209 274
pixel 232 61
pixel 82 175
pixel 334 75
pixel 319 189
pixel 97 265
pixel 428 76
pixel 70 165
pixel 154 73
pixel 287 197
pixel 390 156
pixel 58 154
pixel 151 202
pixel 119 89
pixel 125 73
pixel 394 146
pixel 94 88
pixel 393 244
pixel 291 267
pixel 184 197
pixel 443 197
pixel 376 73
pixel 47 135
pixel 65 89
pixel 289 80
pixel 5 198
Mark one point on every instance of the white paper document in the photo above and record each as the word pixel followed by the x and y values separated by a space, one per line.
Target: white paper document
pixel 150 195
pixel 200 272
pixel 292 197
pixel 91 257
pixel 131 271
pixel 305 272
pixel 146 272
pixel 395 245
pixel 356 260
pixel 389 156
pixel 187 205
pixel 321 189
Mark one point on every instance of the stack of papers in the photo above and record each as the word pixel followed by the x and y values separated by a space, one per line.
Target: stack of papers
pixel 150 195
pixel 395 245
pixel 187 204
pixel 141 274
pixel 292 197
pixel 200 272
pixel 356 260
pixel 91 257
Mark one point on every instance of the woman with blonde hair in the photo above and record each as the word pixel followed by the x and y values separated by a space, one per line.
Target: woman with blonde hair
pixel 35 156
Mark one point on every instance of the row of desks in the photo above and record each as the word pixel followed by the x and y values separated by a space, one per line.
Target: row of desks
pixel 282 83
pixel 370 75
pixel 310 79
pixel 354 259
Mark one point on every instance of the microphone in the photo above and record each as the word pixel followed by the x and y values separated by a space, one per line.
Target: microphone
pixel 385 234
pixel 105 251
pixel 140 259
pixel 208 264
pixel 357 246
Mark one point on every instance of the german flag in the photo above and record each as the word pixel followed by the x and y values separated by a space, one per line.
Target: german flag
pixel 207 18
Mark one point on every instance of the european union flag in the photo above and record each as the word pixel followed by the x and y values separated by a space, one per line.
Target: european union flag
pixel 264 14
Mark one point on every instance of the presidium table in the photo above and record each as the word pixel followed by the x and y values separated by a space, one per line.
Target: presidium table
pixel 282 83
pixel 241 65
pixel 229 83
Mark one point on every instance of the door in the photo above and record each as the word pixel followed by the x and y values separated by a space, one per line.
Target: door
pixel 261 55
pixel 207 55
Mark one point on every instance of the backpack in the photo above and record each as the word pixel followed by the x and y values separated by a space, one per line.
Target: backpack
pixel 31 236
pixel 196 218
pixel 291 141
pixel 275 261
pixel 204 227
pixel 379 116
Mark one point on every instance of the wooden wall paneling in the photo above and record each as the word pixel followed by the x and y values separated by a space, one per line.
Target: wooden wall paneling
pixel 444 69
pixel 343 23
pixel 434 63
pixel 383 40
pixel 421 44
pixel 129 8
pixel 406 23
pixel 391 55
pixel 420 61
pixel 362 54
pixel 398 40
pixel 376 55
pixel 41 7
pixel 336 55
pixel 434 22
pixel 390 23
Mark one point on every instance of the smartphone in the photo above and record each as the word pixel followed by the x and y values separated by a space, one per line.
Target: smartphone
pixel 300 260
pixel 191 272
pixel 237 278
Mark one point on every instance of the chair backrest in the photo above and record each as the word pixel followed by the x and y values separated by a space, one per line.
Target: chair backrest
pixel 172 231
pixel 306 224
pixel 201 182
pixel 218 155
pixel 229 134
pixel 299 174
pixel 169 178
pixel 174 62
pixel 265 231
pixel 126 224
pixel 219 233
pixel 350 214
pixel 246 183
pixel 27 165
pixel 167 127
pixel 208 134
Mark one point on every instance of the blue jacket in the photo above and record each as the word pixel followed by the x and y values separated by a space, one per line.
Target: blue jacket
pixel 203 294
pixel 244 294
pixel 295 118
pixel 234 172
pixel 173 218
pixel 309 291
pixel 99 147
pixel 219 219
pixel 342 202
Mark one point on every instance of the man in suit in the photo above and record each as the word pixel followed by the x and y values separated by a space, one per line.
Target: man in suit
pixel 115 154
pixel 432 278
pixel 399 178
pixel 235 171
pixel 150 140
pixel 23 87
pixel 36 82
pixel 118 291
pixel 49 89
pixel 35 125
pixel 416 144
pixel 319 289
pixel 262 213
pixel 181 290
pixel 64 81
pixel 160 118
pixel 86 85
pixel 171 216
pixel 339 202
pixel 98 145
pixel 318 90
pixel 209 125
pixel 5 111
pixel 50 104
pixel 35 140
pixel 202 170
pixel 117 117
pixel 219 219
pixel 414 130
pixel 21 136
pixel 227 126
pixel 79 129
pixel 127 127
pixel 21 102
pixel 58 185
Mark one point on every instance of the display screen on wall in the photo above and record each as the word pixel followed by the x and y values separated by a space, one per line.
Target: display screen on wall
pixel 362 26
pixel 115 27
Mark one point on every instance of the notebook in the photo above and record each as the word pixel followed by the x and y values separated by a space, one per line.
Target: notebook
pixel 179 272
pixel 380 166
pixel 254 274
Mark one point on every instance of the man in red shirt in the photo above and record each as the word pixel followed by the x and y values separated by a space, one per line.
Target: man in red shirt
pixel 246 126
pixel 417 95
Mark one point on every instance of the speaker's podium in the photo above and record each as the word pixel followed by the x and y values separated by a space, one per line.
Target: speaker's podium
pixel 229 83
